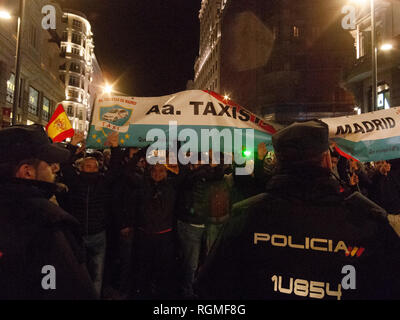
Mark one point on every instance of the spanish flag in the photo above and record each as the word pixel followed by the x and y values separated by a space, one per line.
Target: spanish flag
pixel 59 127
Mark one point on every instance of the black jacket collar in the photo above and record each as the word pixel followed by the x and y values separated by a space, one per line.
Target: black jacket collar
pixel 308 184
pixel 27 188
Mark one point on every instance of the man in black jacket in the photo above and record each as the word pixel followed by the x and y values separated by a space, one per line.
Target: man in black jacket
pixel 302 239
pixel 152 223
pixel 41 252
pixel 193 215
pixel 89 201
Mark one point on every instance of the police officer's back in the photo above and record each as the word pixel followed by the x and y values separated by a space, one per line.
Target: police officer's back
pixel 294 240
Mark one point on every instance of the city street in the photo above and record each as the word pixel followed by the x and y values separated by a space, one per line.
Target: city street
pixel 200 158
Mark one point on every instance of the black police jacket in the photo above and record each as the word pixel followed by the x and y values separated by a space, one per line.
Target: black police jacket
pixel 303 240
pixel 35 234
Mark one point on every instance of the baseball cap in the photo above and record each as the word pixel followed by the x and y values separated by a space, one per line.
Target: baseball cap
pixel 301 139
pixel 22 142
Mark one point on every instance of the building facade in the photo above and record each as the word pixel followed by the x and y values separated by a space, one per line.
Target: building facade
pixel 56 66
pixel 282 59
pixel 41 88
pixel 78 69
pixel 358 76
pixel 207 64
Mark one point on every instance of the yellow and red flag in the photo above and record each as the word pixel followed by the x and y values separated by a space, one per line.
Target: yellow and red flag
pixel 59 127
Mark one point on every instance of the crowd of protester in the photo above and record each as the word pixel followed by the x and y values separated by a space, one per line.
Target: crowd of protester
pixel 379 181
pixel 147 229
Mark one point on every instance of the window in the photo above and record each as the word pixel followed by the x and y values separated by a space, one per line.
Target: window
pixel 46 109
pixel 76 51
pixel 77 24
pixel 76 38
pixel 73 94
pixel 70 110
pixel 10 88
pixel 296 32
pixel 33 101
pixel 75 67
pixel 364 44
pixel 383 97
pixel 65 36
pixel 73 81
pixel 80 117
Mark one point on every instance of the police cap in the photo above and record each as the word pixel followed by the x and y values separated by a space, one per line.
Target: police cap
pixel 22 142
pixel 301 139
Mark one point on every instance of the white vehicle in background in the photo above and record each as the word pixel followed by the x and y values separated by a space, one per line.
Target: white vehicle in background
pixel 115 115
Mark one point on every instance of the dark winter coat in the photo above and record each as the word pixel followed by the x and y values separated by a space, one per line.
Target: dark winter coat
pixel 89 195
pixel 194 203
pixel 385 191
pixel 149 206
pixel 35 233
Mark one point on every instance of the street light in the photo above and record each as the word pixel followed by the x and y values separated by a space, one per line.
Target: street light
pixel 107 89
pixel 6 15
pixel 386 47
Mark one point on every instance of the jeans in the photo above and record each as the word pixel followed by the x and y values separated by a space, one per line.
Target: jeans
pixel 212 233
pixel 190 238
pixel 95 245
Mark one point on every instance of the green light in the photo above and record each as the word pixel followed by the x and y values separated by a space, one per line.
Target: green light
pixel 246 153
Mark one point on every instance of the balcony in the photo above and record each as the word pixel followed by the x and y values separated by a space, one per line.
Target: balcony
pixel 362 68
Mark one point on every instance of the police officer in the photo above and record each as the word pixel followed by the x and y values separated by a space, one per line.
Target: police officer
pixel 303 239
pixel 41 252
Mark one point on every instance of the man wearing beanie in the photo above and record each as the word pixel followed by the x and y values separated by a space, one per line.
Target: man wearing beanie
pixel 41 252
pixel 302 239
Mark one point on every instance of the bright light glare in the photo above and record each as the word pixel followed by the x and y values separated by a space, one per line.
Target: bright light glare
pixel 5 15
pixel 226 97
pixel 387 46
pixel 108 88
pixel 247 153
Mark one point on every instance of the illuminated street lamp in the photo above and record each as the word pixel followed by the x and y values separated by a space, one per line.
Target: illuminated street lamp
pixel 7 15
pixel 386 47
pixel 107 89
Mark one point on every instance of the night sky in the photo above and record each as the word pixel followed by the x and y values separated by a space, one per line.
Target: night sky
pixel 147 48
